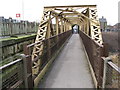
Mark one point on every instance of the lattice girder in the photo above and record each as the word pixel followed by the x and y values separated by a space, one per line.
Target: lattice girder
pixel 65 16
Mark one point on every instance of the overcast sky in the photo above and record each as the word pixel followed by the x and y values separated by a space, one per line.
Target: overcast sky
pixel 33 8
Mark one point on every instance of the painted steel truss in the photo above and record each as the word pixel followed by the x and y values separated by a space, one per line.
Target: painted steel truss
pixel 59 19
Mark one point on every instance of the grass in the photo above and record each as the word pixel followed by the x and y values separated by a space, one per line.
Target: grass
pixel 13 38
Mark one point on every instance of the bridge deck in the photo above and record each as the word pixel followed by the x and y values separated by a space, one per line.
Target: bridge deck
pixel 70 69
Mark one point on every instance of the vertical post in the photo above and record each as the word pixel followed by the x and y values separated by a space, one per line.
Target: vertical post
pixel 29 65
pixel 0 61
pixel 25 70
pixel 67 27
pixel 100 66
pixel 64 26
pixel 57 31
pixel 48 36
pixel 119 64
pixel 106 60
pixel 49 29
pixel 88 21
pixel 61 31
pixel 85 26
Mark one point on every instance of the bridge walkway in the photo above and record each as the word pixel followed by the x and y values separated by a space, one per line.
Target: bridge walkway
pixel 70 69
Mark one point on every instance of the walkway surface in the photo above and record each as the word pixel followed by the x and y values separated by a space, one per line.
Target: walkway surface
pixel 70 69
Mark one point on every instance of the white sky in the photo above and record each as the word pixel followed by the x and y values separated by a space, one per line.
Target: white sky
pixel 33 8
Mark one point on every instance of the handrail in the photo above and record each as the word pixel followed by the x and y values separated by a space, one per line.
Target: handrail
pixel 92 39
pixel 115 67
pixel 11 63
pixel 20 74
pixel 108 72
pixel 31 45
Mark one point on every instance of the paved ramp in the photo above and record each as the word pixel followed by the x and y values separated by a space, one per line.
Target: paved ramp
pixel 70 69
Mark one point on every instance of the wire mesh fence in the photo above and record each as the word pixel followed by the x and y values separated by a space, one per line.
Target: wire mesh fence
pixel 16 74
pixel 11 74
pixel 112 75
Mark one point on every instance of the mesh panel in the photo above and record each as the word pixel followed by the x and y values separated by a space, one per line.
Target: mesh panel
pixel 11 75
pixel 112 77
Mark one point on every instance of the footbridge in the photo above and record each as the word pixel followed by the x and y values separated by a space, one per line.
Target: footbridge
pixel 68 53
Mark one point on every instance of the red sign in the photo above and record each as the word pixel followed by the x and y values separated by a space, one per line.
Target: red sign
pixel 18 15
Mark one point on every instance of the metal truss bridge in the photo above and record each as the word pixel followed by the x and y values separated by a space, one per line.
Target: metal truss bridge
pixel 63 58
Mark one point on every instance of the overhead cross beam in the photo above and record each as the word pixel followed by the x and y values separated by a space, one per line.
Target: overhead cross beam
pixel 73 6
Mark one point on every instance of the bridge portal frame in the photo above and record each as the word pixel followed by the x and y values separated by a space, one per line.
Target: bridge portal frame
pixel 63 18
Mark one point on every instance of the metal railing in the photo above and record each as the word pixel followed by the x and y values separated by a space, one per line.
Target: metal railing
pixel 51 46
pixel 15 74
pixel 20 73
pixel 106 72
pixel 95 51
pixel 111 76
